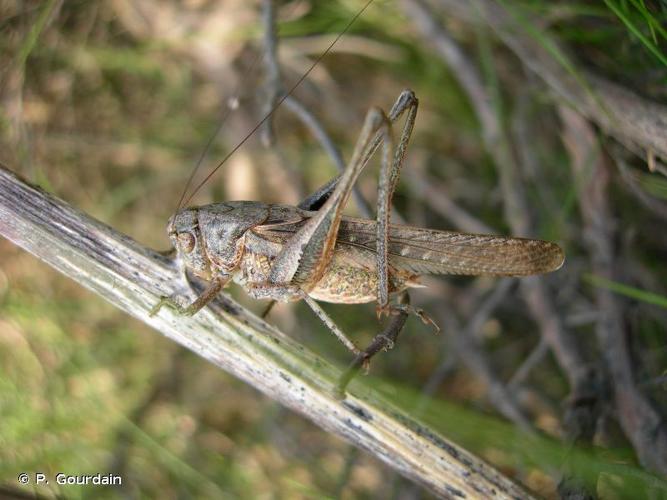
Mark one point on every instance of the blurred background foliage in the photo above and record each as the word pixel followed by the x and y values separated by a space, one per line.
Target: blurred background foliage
pixel 110 104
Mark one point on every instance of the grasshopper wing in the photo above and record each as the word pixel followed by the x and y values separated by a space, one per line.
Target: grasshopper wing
pixel 429 251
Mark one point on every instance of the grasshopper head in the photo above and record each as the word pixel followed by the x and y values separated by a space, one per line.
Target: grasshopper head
pixel 210 239
pixel 185 235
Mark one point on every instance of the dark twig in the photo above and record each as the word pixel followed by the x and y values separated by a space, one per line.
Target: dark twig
pixel 656 206
pixel 497 145
pixel 476 359
pixel 435 196
pixel 318 131
pixel 641 421
pixel 275 92
pixel 622 113
pixel 316 128
pixel 533 359
pixel 273 86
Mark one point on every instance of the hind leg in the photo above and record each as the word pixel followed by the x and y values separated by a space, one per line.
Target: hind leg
pixel 383 341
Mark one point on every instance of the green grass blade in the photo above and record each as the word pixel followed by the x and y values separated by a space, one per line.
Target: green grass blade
pixel 655 25
pixel 627 290
pixel 652 47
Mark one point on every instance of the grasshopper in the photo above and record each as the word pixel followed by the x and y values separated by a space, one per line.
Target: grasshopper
pixel 312 252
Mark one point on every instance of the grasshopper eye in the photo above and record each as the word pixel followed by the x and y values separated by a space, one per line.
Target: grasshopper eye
pixel 187 242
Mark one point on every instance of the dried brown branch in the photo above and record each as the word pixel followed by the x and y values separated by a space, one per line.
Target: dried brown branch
pixel 273 86
pixel 435 196
pixel 641 421
pixel 656 206
pixel 582 409
pixel 475 358
pixel 619 111
pixel 275 94
pixel 133 278
pixel 497 146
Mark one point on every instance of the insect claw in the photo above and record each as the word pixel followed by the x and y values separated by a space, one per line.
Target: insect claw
pixel 381 310
pixel 188 311
pixel 170 302
pixel 366 365
pixel 164 300
pixel 427 320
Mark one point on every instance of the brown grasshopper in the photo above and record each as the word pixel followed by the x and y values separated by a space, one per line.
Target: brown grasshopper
pixel 313 252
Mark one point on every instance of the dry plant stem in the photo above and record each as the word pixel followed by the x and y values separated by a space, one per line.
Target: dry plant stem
pixel 274 92
pixel 496 144
pixel 310 120
pixel 656 206
pixel 133 278
pixel 273 81
pixel 477 361
pixel 434 194
pixel 582 410
pixel 641 421
pixel 474 357
pixel 292 104
pixel 623 114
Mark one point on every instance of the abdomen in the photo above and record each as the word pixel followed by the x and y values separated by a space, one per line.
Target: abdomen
pixel 349 282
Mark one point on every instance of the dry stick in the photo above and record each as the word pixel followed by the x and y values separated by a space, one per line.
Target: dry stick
pixel 532 360
pixel 133 278
pixel 533 290
pixel 434 194
pixel 274 87
pixel 475 358
pixel 562 344
pixel 275 92
pixel 471 354
pixel 622 113
pixel 652 204
pixel 310 120
pixel 641 421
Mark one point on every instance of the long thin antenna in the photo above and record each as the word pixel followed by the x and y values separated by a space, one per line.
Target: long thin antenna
pixel 279 102
pixel 223 119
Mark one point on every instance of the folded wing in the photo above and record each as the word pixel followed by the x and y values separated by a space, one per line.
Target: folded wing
pixel 428 251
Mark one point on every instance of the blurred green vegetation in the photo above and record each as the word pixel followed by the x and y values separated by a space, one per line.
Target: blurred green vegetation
pixel 109 105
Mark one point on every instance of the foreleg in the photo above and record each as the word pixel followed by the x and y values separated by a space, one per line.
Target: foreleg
pixel 207 296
